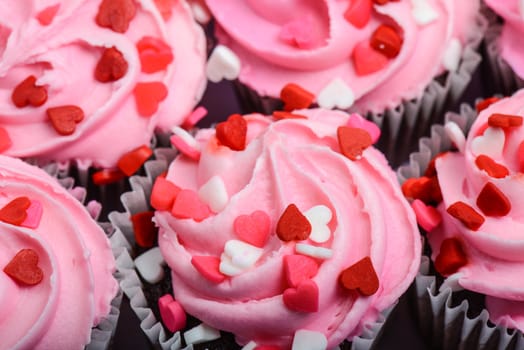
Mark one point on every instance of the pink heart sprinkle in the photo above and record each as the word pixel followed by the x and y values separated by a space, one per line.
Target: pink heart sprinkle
pixel 194 117
pixel 427 217
pixel 34 214
pixel 163 194
pixel 188 206
pixel 184 147
pixel 172 313
pixel 367 60
pixel 298 33
pixel 5 140
pixel 298 268
pixel 356 121
pixel 359 13
pixel 46 16
pixel 209 268
pixel 304 298
pixel 253 228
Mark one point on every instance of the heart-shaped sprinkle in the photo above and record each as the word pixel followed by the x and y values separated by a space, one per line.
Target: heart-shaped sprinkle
pixel 65 118
pixel 319 217
pixel 482 105
pixel 423 13
pixel 298 268
pixel 200 334
pixel 155 54
pixel 451 257
pixel 279 115
pixel 200 12
pixel 45 17
pixel 214 194
pixel 491 143
pixel 23 268
pixel 222 64
pixel 28 93
pixel 107 176
pixel 386 40
pixel 492 202
pixel 194 117
pixel 144 228
pixel 504 120
pixel 130 162
pixel 148 96
pixel 491 167
pixel 188 206
pixel 452 55
pixel 456 135
pixel 185 143
pixel 111 66
pixel 428 217
pixel 208 267
pixel 336 94
pixel 293 225
pixel 5 140
pixel 232 133
pixel 360 276
pixel 227 267
pixel 150 265
pixel 359 13
pixel 427 189
pixel 356 121
pixel 367 60
pixel 253 228
pixel 33 215
pixel 242 254
pixel 172 314
pixel 466 214
pixel 303 298
pixel 353 141
pixel 116 14
pixel 309 340
pixel 163 194
pixel 298 32
pixel 165 7
pixel 295 97
pixel 314 251
pixel 15 212
pixel 520 156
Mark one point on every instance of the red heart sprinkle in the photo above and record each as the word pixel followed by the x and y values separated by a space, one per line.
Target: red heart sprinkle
pixel 268 347
pixel 520 155
pixel 144 228
pixel 360 276
pixel 148 96
pixel 209 268
pixel 189 206
pixel 293 225
pixel 111 66
pixel 254 228
pixel 295 97
pixel 492 202
pixel 492 168
pixel 353 141
pixel 23 268
pixel 386 40
pixel 451 257
pixel 46 16
pixel 130 162
pixel 383 2
pixel 304 298
pixel 65 118
pixel 279 115
pixel 482 105
pixel 367 60
pixel 466 214
pixel 116 14
pixel 165 7
pixel 232 133
pixel 427 189
pixel 14 212
pixel 27 93
pixel 107 176
pixel 155 55
pixel 298 268
pixel 359 13
pixel 504 120
pixel 5 140
pixel 163 194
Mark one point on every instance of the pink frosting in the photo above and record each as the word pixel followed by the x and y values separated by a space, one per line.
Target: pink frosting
pixel 511 32
pixel 74 255
pixel 291 161
pixel 63 55
pixel 252 29
pixel 494 251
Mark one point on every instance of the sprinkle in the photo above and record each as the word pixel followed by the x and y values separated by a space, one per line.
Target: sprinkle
pixel 520 155
pixel 319 217
pixel 357 121
pixel 427 216
pixel 298 268
pixel 232 133
pixel 200 334
pixel 130 162
pixel 451 257
pixel 298 32
pixel 491 167
pixel 482 105
pixel 491 143
pixel 360 276
pixel 187 205
pixel 241 254
pixel 492 202
pixel 456 135
pixel 425 188
pixel 148 96
pixel 65 118
pixel 185 143
pixel 28 93
pixel 214 194
pixel 144 228
pixel 386 40
pixel 163 194
pixel 279 115
pixel 34 214
pixel 172 314
pixel 208 267
pixel 253 228
pixel 292 225
pixel 504 120
pixel 111 66
pixel 200 12
pixel 309 340
pixel 150 265
pixel 46 16
pixel 452 55
pixel 423 12
pixel 222 64
pixel 155 55
pixel 165 7
pixel 367 60
pixel 353 141
pixel 116 14
pixel 107 176
pixel 466 214
pixel 15 212
pixel 194 117
pixel 336 94
pixel 359 13
pixel 23 268
pixel 303 298
pixel 295 97
pixel 313 251
pixel 5 140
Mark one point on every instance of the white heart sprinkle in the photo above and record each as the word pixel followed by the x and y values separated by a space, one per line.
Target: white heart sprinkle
pixel 452 55
pixel 242 254
pixel 309 340
pixel 222 64
pixel 227 267
pixel 491 143
pixel 200 334
pixel 200 13
pixel 315 252
pixel 452 282
pixel 150 265
pixel 423 12
pixel 319 217
pixel 336 94
pixel 456 135
pixel 214 194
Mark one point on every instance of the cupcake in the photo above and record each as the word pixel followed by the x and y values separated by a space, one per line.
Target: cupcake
pixel 90 81
pixel 400 63
pixel 276 233
pixel 468 202
pixel 56 263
